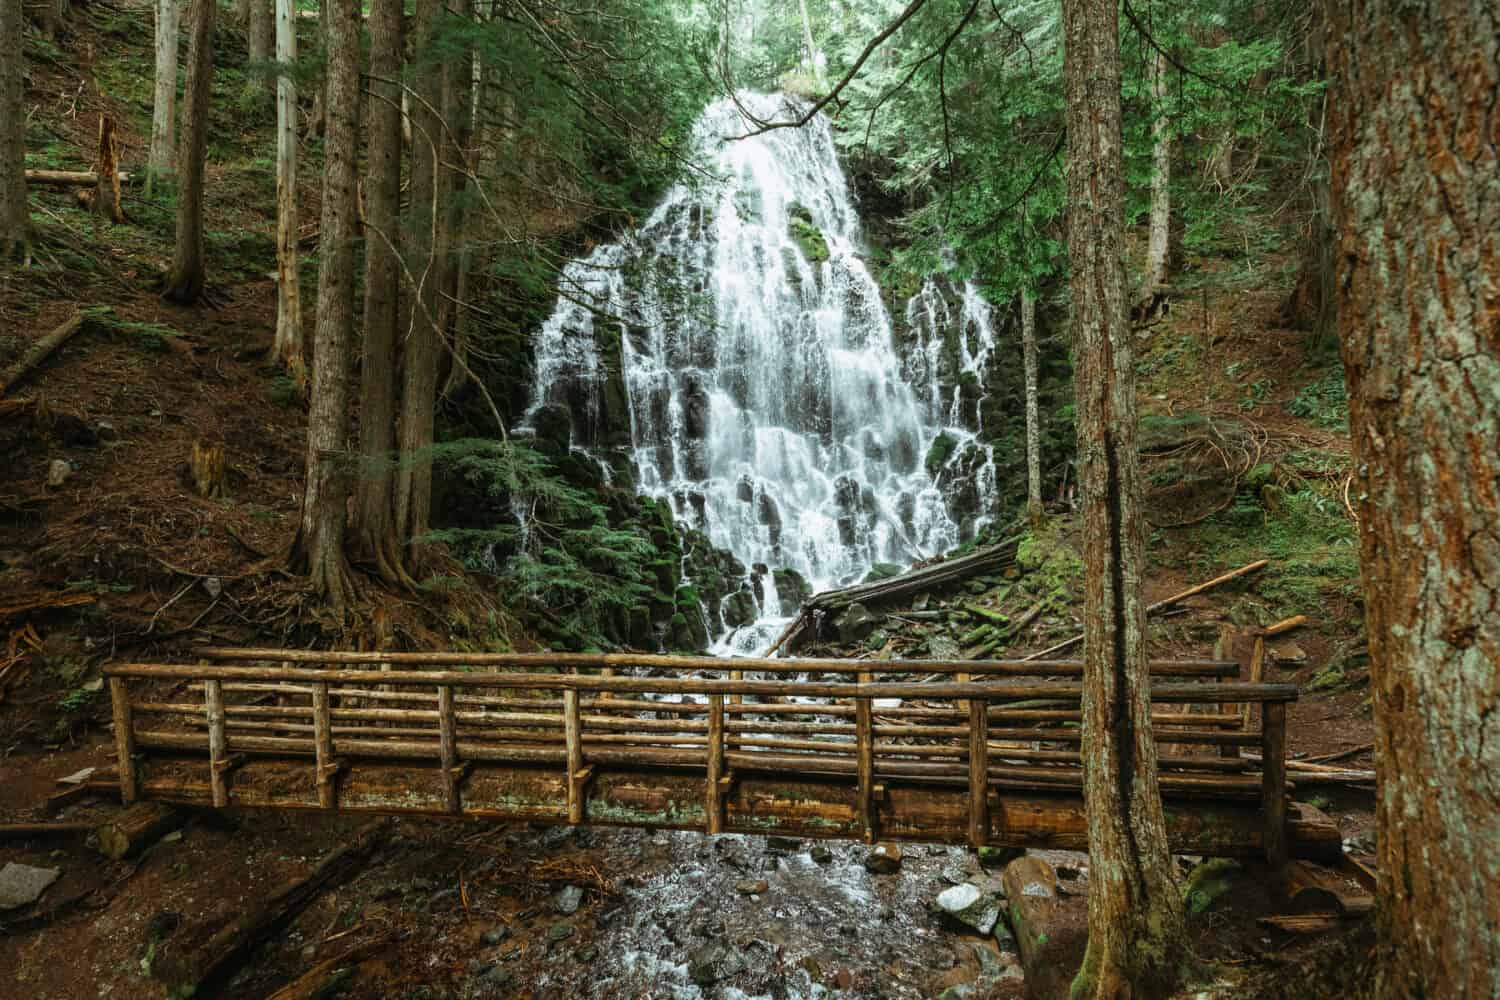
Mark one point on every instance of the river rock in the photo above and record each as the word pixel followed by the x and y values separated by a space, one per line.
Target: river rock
pixel 751 886
pixel 971 906
pixel 885 859
pixel 21 885
pixel 820 854
pixel 568 900
pixel 494 936
pixel 58 472
pixel 560 931
pixel 715 962
pixel 998 857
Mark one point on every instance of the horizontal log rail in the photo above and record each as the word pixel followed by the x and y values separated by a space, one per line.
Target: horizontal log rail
pixel 539 737
pixel 636 661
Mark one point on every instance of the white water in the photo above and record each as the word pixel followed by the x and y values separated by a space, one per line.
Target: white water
pixel 766 399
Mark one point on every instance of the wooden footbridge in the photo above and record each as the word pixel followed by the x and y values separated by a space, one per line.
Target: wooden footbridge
pixel 975 752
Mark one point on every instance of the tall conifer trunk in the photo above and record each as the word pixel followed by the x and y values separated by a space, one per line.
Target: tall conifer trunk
pixel 426 256
pixel 164 99
pixel 1135 912
pixel 1159 249
pixel 1415 160
pixel 320 542
pixel 1030 358
pixel 185 283
pixel 374 514
pixel 15 223
pixel 288 345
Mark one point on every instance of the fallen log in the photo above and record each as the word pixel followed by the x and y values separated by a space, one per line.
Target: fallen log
pixel 41 350
pixel 136 827
pixel 323 979
pixel 1050 943
pixel 1315 889
pixel 23 831
pixel 195 973
pixel 50 602
pixel 69 178
pixel 909 584
pixel 1164 603
pixel 1302 923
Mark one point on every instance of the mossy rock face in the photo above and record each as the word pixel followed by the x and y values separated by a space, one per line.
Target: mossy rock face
pixel 809 238
pixel 941 450
pixel 740 608
pixel 793 590
pixel 882 571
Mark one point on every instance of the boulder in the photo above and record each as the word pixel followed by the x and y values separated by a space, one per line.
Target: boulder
pixel 885 859
pixel 715 962
pixel 568 900
pixel 22 885
pixel 969 905
pixel 751 886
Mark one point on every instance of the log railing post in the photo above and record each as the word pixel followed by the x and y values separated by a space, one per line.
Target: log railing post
pixel 213 708
pixel 713 794
pixel 1273 788
pixel 573 736
pixel 119 696
pixel 323 748
pixel 979 764
pixel 448 747
pixel 864 740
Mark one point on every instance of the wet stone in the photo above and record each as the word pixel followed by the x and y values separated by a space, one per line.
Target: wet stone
pixel 714 962
pixel 820 854
pixel 971 906
pixel 885 859
pixel 568 900
pixel 751 887
pixel 494 936
pixel 560 931
pixel 21 885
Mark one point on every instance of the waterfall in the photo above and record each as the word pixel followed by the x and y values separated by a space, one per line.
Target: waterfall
pixel 733 357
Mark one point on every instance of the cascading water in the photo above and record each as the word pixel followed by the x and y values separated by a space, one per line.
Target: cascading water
pixel 765 398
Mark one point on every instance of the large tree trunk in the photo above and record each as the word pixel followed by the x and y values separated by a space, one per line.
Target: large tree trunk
pixel 1135 912
pixel 426 256
pixel 375 529
pixel 15 223
pixel 1159 249
pixel 1033 418
pixel 164 103
pixel 1416 195
pixel 320 542
pixel 185 284
pixel 288 285
pixel 261 38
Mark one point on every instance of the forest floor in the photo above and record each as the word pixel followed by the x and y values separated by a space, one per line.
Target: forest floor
pixel 112 556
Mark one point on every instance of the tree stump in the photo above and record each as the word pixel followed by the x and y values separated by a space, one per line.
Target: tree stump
pixel 107 198
pixel 207 464
pixel 136 827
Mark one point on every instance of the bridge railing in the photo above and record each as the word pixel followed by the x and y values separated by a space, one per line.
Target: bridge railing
pixel 1007 732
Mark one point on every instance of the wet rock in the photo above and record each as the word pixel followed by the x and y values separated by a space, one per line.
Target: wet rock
pixel 793 590
pixel 554 429
pixel 856 623
pixel 971 906
pixel 751 886
pixel 820 854
pixel 58 472
pixel 22 885
pixel 941 647
pixel 885 859
pixel 568 900
pixel 496 975
pixel 786 845
pixel 715 962
pixel 494 936
pixel 560 931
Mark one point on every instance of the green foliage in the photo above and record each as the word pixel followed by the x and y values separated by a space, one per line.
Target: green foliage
pixel 565 555
pixel 1325 402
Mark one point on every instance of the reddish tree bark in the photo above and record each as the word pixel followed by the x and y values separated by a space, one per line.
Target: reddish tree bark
pixel 1135 911
pixel 1416 196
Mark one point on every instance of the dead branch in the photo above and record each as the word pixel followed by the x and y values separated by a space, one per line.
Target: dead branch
pixel 41 350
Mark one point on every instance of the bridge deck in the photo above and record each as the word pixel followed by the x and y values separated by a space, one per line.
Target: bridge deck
pixel 565 739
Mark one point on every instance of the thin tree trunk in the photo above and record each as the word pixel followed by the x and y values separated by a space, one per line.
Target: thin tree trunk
pixel 1415 158
pixel 15 222
pixel 185 284
pixel 261 38
pixel 374 526
pixel 288 347
pixel 1159 252
pixel 1135 912
pixel 164 103
pixel 320 542
pixel 1033 419
pixel 464 89
pixel 812 51
pixel 420 356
